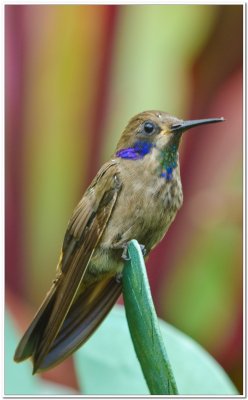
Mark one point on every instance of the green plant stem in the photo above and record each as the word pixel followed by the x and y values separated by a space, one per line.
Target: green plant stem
pixel 143 325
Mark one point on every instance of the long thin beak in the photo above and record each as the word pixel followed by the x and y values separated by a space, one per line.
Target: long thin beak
pixel 184 125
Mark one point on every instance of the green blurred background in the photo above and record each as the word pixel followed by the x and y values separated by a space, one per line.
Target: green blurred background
pixel 74 76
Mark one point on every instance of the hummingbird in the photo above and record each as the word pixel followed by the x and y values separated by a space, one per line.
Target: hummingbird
pixel 135 195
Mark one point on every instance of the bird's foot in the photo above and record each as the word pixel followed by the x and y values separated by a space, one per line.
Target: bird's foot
pixel 122 246
pixel 143 249
pixel 125 255
pixel 118 277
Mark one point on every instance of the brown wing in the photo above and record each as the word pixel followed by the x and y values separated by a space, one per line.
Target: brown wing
pixel 83 318
pixel 84 231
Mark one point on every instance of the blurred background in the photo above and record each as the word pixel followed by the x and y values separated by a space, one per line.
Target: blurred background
pixel 74 76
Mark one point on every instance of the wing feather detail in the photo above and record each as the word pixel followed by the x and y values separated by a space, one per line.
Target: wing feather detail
pixel 83 318
pixel 83 234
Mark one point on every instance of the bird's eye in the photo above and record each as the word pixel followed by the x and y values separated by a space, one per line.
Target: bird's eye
pixel 149 127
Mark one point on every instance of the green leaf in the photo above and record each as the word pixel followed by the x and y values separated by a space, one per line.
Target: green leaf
pixel 18 378
pixel 107 363
pixel 143 325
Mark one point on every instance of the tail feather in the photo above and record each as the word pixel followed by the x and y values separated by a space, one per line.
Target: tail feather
pixel 32 337
pixel 86 313
pixel 83 318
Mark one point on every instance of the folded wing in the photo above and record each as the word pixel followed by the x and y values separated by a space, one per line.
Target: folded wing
pixel 66 319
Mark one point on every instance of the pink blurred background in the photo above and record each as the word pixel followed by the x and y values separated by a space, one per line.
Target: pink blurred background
pixel 74 76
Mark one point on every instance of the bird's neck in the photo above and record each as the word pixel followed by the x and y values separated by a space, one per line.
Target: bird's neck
pixel 166 158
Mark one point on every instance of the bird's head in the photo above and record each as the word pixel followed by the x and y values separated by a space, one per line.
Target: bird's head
pixel 154 128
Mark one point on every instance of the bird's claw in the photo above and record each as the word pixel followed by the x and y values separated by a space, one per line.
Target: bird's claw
pixel 143 249
pixel 118 277
pixel 125 255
